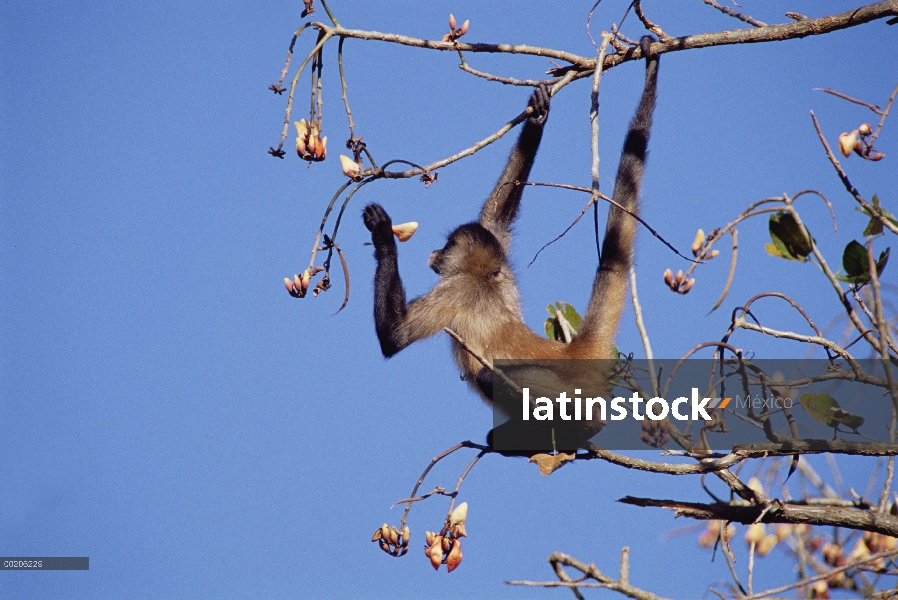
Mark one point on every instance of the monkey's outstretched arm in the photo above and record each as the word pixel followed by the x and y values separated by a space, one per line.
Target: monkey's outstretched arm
pixel 398 323
pixel 609 288
pixel 501 207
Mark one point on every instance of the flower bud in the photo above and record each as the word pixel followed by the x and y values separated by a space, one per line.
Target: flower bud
pixel 403 233
pixel 461 31
pixel 783 531
pixel 454 557
pixel 459 515
pixel 698 242
pixel 313 146
pixel 451 21
pixel 832 553
pixel 847 142
pixel 765 545
pixel 713 253
pixel 435 552
pixel 687 286
pixel 322 148
pixel 350 168
pixel 865 129
pixel 392 537
pixel 668 277
pixel 755 533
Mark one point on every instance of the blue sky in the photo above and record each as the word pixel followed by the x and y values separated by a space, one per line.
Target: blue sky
pixel 169 411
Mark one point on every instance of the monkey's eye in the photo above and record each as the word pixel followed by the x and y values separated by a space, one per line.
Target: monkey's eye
pixel 497 272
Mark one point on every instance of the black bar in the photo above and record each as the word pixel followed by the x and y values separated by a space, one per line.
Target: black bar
pixel 44 563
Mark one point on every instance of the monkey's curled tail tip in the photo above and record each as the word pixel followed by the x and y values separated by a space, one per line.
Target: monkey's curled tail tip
pixel 645 45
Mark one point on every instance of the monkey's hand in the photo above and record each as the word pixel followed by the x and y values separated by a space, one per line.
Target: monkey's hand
pixel 539 102
pixel 380 225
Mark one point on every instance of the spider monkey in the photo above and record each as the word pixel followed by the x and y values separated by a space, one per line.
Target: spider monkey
pixel 476 295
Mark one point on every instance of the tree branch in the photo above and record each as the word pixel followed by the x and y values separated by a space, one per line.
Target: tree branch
pixel 850 518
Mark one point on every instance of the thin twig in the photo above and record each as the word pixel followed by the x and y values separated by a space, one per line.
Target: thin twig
pixel 577 188
pixel 729 11
pixel 872 107
pixel 885 113
pixel 824 575
pixel 880 323
pixel 343 87
pixel 662 37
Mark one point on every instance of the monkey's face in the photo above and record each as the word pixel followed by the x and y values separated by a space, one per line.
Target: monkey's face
pixel 471 249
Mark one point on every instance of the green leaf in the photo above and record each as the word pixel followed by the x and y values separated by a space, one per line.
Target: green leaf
pixel 553 326
pixel 851 421
pixel 789 241
pixel 821 407
pixel 856 261
pixel 772 250
pixel 874 227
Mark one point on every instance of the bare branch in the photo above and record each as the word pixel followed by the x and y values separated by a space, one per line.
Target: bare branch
pixel 834 516
pixel 729 11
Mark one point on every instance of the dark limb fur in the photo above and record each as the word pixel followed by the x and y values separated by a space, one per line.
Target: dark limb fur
pixel 398 324
pixel 501 207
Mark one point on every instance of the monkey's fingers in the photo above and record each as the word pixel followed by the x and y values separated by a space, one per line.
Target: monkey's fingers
pixel 374 216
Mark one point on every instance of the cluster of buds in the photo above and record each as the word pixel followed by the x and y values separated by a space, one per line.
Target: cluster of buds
pixel 655 433
pixel 299 285
pixel 834 555
pixel 309 143
pixel 392 541
pixel 699 242
pixel 445 547
pixel 871 543
pixel 454 33
pixel 677 282
pixel 862 146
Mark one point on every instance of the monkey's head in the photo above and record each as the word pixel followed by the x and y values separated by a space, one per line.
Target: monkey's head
pixel 471 250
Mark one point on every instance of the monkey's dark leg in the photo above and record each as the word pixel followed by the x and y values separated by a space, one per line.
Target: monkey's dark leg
pixel 501 207
pixel 389 294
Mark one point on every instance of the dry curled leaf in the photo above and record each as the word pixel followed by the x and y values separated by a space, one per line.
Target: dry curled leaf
pixel 549 463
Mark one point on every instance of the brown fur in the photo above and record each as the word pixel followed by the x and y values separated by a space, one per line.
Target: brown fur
pixel 477 297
